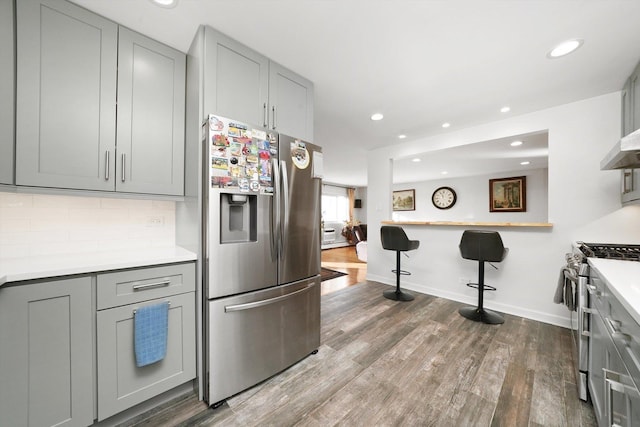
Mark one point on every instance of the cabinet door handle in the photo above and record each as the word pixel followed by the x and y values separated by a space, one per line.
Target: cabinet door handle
pixel 273 117
pixel 627 181
pixel 123 167
pixel 593 290
pixel 135 310
pixel 611 385
pixel 106 165
pixel 146 286
pixel 265 122
pixel 615 331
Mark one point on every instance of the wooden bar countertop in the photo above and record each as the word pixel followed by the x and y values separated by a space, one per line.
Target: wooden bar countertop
pixel 471 223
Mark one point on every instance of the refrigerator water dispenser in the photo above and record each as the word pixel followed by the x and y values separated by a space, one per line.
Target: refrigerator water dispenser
pixel 238 218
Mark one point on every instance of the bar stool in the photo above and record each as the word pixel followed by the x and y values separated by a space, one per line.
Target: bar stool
pixel 395 239
pixel 482 246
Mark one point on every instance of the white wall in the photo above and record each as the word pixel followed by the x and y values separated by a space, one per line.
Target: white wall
pixel 473 199
pixel 35 224
pixel 583 202
pixel 360 214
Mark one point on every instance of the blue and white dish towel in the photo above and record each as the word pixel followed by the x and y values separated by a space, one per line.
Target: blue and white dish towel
pixel 151 324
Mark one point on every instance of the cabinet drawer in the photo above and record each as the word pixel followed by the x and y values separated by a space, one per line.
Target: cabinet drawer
pixel 625 333
pixel 132 286
pixel 121 384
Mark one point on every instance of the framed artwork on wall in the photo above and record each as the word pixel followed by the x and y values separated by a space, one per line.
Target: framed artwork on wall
pixel 404 200
pixel 508 194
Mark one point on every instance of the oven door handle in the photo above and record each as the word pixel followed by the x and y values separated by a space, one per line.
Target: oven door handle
pixel 582 311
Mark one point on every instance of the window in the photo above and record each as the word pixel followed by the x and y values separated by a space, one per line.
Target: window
pixel 335 204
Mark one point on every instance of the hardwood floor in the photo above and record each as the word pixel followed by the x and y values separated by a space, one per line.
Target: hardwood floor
pixel 345 260
pixel 415 363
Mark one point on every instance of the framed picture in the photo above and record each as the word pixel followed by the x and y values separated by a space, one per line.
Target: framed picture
pixel 508 194
pixel 404 200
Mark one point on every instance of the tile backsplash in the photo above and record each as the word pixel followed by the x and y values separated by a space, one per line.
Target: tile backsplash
pixel 35 224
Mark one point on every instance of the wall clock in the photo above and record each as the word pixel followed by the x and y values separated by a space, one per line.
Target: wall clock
pixel 444 197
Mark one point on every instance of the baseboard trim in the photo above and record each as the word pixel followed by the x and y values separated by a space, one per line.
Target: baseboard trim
pixel 497 306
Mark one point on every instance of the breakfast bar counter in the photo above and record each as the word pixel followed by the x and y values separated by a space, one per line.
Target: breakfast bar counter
pixel 471 223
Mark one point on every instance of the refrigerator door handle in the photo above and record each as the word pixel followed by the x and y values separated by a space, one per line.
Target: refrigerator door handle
pixel 285 214
pixel 262 303
pixel 274 234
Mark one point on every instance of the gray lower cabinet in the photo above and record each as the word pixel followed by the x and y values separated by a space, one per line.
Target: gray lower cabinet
pixel 614 366
pixel 46 364
pixel 7 90
pixel 73 65
pixel 121 384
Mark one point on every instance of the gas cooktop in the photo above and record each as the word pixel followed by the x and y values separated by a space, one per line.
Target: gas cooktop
pixel 610 251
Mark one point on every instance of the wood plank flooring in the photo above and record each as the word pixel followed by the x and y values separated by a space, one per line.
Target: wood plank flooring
pixel 416 363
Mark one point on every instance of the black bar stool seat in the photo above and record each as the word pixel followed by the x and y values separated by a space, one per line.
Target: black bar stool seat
pixel 482 246
pixel 395 239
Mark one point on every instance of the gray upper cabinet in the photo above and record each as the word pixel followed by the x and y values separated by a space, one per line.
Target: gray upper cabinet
pixel 291 101
pixel 73 66
pixel 7 82
pixel 237 79
pixel 635 99
pixel 46 364
pixel 627 118
pixel 630 100
pixel 66 96
pixel 151 102
pixel 242 84
pixel 631 103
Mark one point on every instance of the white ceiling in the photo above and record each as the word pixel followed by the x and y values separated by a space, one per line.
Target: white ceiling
pixel 483 158
pixel 419 62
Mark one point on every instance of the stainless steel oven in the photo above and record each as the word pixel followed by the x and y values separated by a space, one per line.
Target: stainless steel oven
pixel 576 296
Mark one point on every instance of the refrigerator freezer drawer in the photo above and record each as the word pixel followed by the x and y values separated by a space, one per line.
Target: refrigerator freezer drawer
pixel 254 336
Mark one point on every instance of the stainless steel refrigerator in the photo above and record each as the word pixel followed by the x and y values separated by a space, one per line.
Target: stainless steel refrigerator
pixel 261 240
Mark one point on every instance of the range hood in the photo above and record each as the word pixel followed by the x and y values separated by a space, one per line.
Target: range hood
pixel 625 154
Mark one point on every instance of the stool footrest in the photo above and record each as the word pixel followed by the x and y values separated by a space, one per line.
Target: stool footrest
pixel 402 272
pixel 486 287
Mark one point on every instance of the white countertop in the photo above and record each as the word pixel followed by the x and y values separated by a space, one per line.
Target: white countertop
pixel 29 268
pixel 623 279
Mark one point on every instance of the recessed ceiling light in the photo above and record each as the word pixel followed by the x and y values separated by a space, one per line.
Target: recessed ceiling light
pixel 516 143
pixel 525 163
pixel 165 3
pixel 416 160
pixel 403 136
pixel 377 116
pixel 505 109
pixel 564 48
pixel 444 172
pixel 446 125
